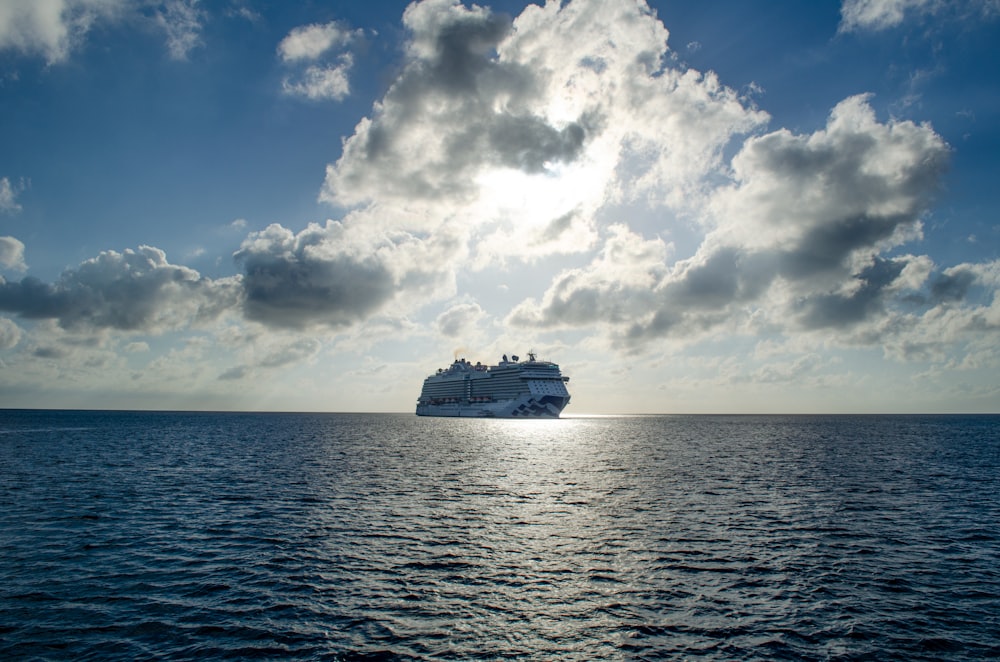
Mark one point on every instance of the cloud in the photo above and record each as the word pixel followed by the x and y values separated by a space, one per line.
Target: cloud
pixel 54 28
pixel 321 67
pixel 517 133
pixel 291 353
pixel 10 333
pixel 310 42
pixel 317 83
pixel 278 355
pixel 616 287
pixel 335 275
pixel 454 111
pixel 51 28
pixel 875 15
pixel 795 241
pixel 8 195
pixel 880 14
pixel 12 254
pixel 460 320
pixel 181 20
pixel 136 291
pixel 235 373
pixel 332 276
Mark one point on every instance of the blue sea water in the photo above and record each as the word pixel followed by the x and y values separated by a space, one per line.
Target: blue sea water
pixel 130 535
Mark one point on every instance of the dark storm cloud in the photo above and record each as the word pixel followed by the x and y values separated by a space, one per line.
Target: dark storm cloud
pixel 131 291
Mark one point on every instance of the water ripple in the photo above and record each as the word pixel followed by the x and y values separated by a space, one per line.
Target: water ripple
pixel 380 537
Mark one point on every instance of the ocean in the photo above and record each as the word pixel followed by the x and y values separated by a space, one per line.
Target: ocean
pixel 141 535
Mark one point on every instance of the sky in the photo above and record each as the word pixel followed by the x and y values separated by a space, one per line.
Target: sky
pixel 725 206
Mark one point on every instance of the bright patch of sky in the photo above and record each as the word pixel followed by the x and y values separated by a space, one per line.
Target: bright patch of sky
pixel 692 207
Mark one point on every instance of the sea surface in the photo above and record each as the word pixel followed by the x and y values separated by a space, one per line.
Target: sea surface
pixel 137 535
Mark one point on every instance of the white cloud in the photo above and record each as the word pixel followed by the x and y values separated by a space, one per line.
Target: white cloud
pixel 278 351
pixel 10 333
pixel 878 15
pixel 617 287
pixel 319 83
pixel 517 134
pixel 460 320
pixel 134 291
pixel 796 241
pixel 54 28
pixel 318 59
pixel 310 42
pixel 51 28
pixel 8 195
pixel 291 353
pixel 181 21
pixel 12 254
pixel 565 134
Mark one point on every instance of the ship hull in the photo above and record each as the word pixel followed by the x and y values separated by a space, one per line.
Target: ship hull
pixel 526 406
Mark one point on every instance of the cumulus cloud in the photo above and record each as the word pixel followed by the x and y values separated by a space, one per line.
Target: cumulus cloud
pixel 797 238
pixel 51 28
pixel 333 275
pixel 519 132
pixel 12 254
pixel 137 291
pixel 616 287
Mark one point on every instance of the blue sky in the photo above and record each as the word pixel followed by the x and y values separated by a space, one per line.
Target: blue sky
pixel 723 206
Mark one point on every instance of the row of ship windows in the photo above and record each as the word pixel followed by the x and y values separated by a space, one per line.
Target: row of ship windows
pixel 497 393
pixel 493 386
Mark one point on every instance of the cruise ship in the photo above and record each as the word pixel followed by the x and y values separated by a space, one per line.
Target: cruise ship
pixel 510 389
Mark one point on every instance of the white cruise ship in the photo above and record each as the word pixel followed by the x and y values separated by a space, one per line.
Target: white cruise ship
pixel 510 389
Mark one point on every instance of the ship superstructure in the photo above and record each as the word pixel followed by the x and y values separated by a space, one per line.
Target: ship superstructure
pixel 510 389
